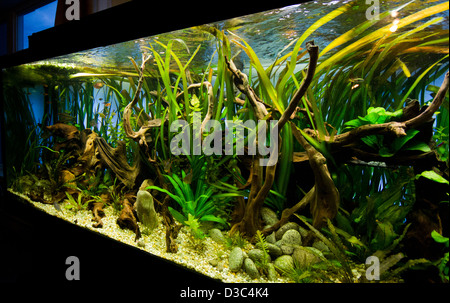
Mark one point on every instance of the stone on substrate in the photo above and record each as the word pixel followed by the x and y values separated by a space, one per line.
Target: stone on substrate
pixel 274 251
pixel 146 183
pixel 250 268
pixel 145 209
pixel 216 235
pixel 291 238
pixel 303 232
pixel 284 264
pixel 321 246
pixel 304 256
pixel 271 238
pixel 214 262
pixel 283 229
pixel 236 259
pixel 287 249
pixel 268 216
pixel 257 255
pixel 272 274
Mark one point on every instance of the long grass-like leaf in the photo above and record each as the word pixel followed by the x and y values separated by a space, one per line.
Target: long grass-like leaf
pixel 366 40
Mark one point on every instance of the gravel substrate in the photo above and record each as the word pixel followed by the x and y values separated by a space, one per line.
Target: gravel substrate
pixel 154 243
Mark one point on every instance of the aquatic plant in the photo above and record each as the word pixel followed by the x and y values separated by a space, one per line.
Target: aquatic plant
pixel 75 205
pixel 196 203
pixel 442 264
pixel 235 240
pixel 261 243
pixel 350 117
pixel 335 247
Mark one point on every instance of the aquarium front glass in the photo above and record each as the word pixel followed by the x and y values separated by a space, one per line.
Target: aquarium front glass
pixel 292 145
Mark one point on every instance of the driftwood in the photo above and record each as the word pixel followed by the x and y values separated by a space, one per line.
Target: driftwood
pixel 140 135
pixel 251 220
pixel 97 211
pixel 116 160
pixel 127 219
pixel 323 198
pixel 69 133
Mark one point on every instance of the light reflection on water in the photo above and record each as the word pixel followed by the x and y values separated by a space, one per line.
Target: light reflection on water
pixel 267 32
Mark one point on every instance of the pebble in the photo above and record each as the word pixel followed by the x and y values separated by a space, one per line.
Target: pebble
pixel 268 216
pixel 257 255
pixel 250 268
pixel 216 235
pixel 291 238
pixel 236 259
pixel 304 257
pixel 214 262
pixel 283 229
pixel 271 238
pixel 274 250
pixel 272 274
pixel 321 246
pixel 284 264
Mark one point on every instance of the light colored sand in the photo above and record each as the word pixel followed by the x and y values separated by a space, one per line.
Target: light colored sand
pixel 155 243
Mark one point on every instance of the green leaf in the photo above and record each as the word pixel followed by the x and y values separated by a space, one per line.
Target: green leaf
pixel 213 219
pixel 430 174
pixel 177 215
pixel 421 146
pixel 385 152
pixel 399 142
pixel 439 238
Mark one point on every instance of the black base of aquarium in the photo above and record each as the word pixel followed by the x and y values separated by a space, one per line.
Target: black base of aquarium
pixel 36 247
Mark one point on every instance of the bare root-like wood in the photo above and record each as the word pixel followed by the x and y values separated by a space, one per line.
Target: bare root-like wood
pixel 127 219
pixel 251 221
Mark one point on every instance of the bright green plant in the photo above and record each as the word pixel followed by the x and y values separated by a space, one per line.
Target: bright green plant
pixel 236 239
pixel 379 115
pixel 442 264
pixel 76 205
pixel 261 243
pixel 433 176
pixel 198 203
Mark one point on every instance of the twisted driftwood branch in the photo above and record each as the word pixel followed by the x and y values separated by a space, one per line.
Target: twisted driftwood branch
pixel 138 136
pixel 250 221
pixel 397 128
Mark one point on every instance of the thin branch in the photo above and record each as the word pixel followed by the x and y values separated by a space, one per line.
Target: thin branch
pixel 313 51
pixel 241 82
pixel 140 134
pixel 397 128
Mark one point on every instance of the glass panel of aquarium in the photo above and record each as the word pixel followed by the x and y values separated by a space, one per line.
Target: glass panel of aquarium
pixel 307 143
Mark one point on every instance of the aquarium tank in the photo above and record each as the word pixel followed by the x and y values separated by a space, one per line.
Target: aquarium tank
pixel 308 143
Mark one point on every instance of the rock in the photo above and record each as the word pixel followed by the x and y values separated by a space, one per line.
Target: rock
pixel 145 209
pixel 271 272
pixel 271 238
pixel 287 249
pixel 283 229
pixel 284 264
pixel 214 262
pixel 291 238
pixel 274 251
pixel 257 255
pixel 236 259
pixel 250 268
pixel 321 246
pixel 140 243
pixel 304 257
pixel 303 232
pixel 268 216
pixel 216 235
pixel 146 183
